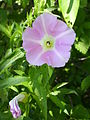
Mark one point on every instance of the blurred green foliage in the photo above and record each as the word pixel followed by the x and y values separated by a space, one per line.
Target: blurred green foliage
pixel 55 94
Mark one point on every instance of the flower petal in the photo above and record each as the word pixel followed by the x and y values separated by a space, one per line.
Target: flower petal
pixel 44 23
pixel 29 45
pixel 64 42
pixel 33 57
pixel 31 34
pixel 53 59
pixel 58 28
pixel 31 39
pixel 66 37
pixel 64 50
pixel 14 108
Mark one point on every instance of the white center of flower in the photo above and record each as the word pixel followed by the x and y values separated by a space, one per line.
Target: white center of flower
pixel 48 42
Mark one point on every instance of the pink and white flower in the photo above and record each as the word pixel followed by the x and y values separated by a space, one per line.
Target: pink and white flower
pixel 14 107
pixel 48 41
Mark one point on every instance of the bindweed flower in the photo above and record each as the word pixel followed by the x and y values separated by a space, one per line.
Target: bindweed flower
pixel 48 41
pixel 14 107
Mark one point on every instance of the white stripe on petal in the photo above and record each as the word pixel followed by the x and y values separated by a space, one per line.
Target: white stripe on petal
pixel 34 41
pixel 16 106
pixel 43 23
pixel 60 56
pixel 63 34
pixel 38 57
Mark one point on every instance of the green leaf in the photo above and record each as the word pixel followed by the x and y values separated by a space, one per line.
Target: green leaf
pixel 14 89
pixel 46 72
pixel 55 93
pixel 60 85
pixel 83 45
pixel 85 83
pixel 67 91
pixel 19 72
pixel 13 36
pixel 39 6
pixel 69 9
pixel 12 81
pixel 5 30
pixel 7 62
pixel 39 89
pixel 80 112
pixel 58 102
pixel 51 3
pixel 29 18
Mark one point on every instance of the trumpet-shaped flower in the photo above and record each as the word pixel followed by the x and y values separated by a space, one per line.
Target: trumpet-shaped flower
pixel 14 107
pixel 48 41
